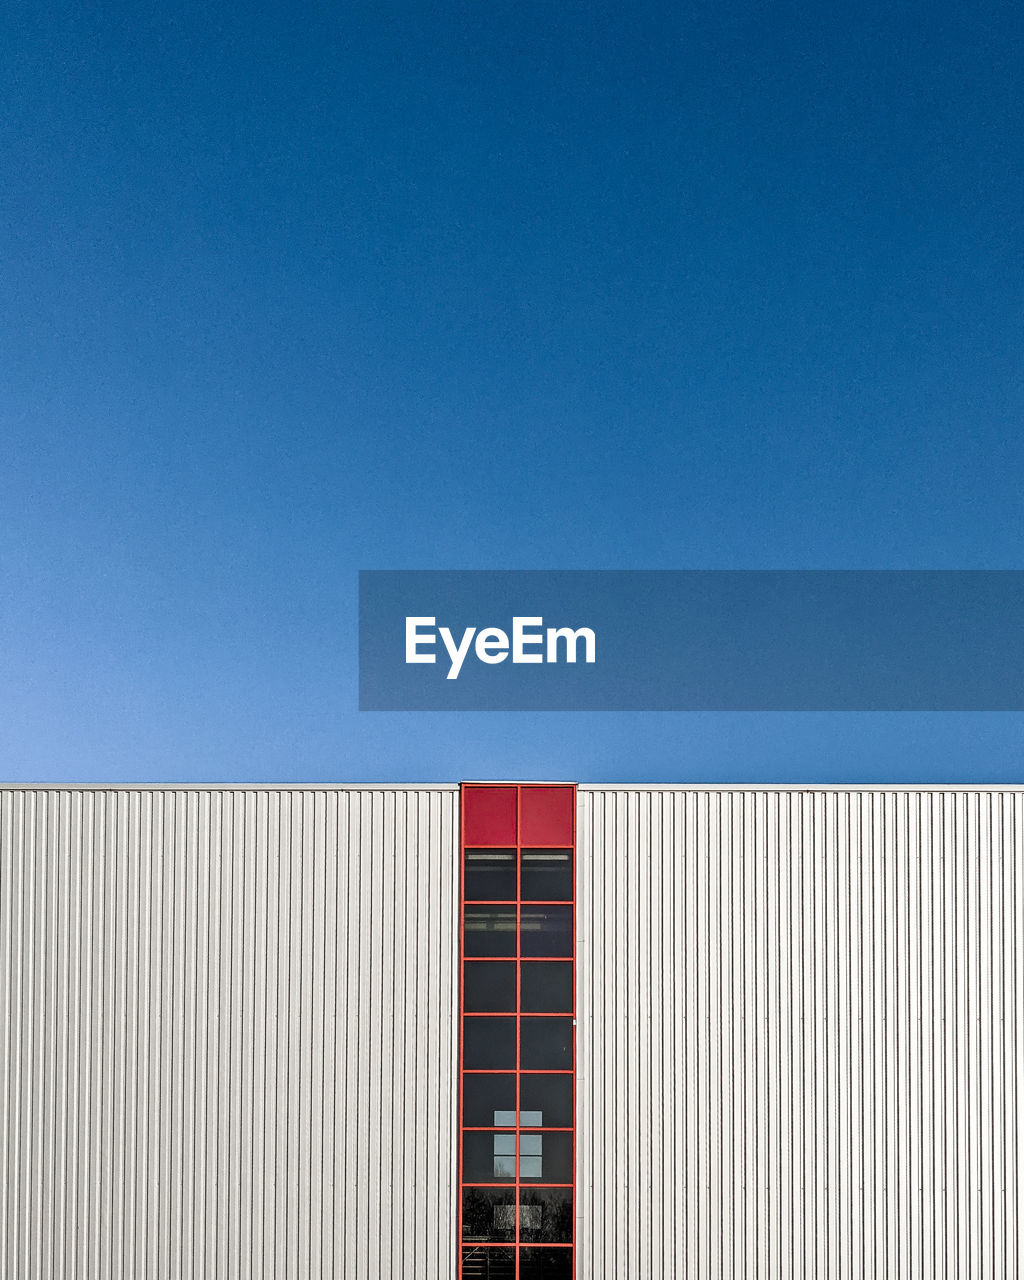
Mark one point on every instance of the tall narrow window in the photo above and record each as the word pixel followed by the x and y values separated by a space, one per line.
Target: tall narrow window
pixel 517 1138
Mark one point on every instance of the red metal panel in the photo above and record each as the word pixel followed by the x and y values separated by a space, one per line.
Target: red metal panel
pixel 488 816
pixel 548 817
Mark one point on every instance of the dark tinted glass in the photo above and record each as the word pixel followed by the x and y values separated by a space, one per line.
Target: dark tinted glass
pixel 489 1264
pixel 549 1157
pixel 489 1214
pixel 546 875
pixel 545 1044
pixel 490 931
pixel 489 986
pixel 483 1096
pixel 550 1096
pixel 545 1213
pixel 545 986
pixel 489 1044
pixel 545 1264
pixel 490 875
pixel 545 931
pixel 479 1160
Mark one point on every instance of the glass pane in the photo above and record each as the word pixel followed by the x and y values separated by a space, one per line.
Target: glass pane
pixel 531 1167
pixel 546 931
pixel 557 1157
pixel 489 986
pixel 479 1163
pixel 545 1213
pixel 490 931
pixel 545 1264
pixel 546 875
pixel 483 1097
pixel 531 1144
pixel 490 875
pixel 489 1264
pixel 488 1214
pixel 545 1044
pixel 530 1118
pixel 504 1144
pixel 546 986
pixel 489 1044
pixel 549 1097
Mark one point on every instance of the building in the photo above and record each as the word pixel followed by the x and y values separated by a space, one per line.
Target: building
pixel 511 1030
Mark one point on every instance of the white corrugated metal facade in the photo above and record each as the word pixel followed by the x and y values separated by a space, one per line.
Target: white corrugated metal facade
pixel 227 1032
pixel 801 1037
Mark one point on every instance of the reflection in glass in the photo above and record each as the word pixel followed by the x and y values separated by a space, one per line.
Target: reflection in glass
pixel 545 1213
pixel 490 875
pixel 484 1096
pixel 531 1155
pixel 479 1160
pixel 530 1217
pixel 557 1156
pixel 546 875
pixel 492 1264
pixel 490 931
pixel 545 1264
pixel 488 1213
pixel 545 931
pixel 504 1155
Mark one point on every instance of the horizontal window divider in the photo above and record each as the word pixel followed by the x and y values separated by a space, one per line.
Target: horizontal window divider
pixel 511 844
pixel 510 1185
pixel 524 959
pixel 510 1013
pixel 532 1128
pixel 559 1013
pixel 513 902
pixel 523 1071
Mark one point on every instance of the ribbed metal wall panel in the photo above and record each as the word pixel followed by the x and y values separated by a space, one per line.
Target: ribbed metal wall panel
pixel 227 1032
pixel 801 1033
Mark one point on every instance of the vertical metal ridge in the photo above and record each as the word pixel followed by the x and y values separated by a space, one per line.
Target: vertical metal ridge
pixel 225 1044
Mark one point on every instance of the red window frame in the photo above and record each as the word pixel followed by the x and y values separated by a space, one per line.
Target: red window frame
pixel 541 810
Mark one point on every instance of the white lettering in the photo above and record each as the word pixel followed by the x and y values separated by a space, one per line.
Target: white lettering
pixel 413 640
pixel 457 653
pixel 492 645
pixel 571 639
pixel 521 637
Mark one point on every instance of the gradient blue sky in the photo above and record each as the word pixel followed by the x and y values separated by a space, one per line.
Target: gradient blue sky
pixel 291 291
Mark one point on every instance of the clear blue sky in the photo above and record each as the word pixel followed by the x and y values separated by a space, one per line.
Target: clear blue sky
pixel 289 291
